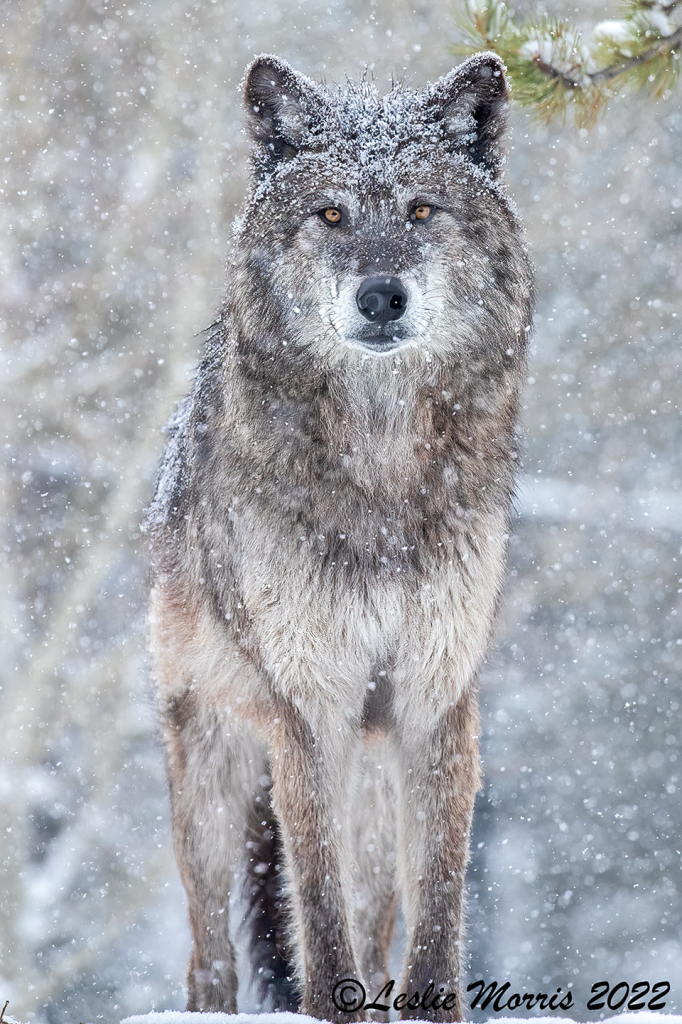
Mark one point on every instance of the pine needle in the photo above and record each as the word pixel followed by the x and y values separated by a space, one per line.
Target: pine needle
pixel 553 69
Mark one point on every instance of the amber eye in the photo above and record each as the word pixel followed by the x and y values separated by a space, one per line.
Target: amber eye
pixel 422 212
pixel 331 215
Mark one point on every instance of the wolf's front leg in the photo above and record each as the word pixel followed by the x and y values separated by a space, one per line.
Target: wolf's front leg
pixel 210 773
pixel 439 779
pixel 312 775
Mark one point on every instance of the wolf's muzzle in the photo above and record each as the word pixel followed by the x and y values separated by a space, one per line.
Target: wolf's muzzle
pixel 381 299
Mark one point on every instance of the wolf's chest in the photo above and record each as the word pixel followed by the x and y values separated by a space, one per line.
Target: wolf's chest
pixel 312 616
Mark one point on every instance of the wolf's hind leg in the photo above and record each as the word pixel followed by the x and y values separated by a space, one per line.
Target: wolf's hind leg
pixel 375 857
pixel 266 922
pixel 211 769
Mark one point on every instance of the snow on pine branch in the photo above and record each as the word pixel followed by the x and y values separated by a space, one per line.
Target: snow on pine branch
pixel 554 66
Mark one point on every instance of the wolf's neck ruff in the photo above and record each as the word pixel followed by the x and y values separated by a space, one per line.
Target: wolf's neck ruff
pixel 329 535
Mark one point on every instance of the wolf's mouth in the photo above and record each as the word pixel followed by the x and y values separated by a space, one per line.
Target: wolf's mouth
pixel 382 340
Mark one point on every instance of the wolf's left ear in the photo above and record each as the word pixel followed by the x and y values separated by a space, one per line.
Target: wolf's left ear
pixel 282 106
pixel 478 89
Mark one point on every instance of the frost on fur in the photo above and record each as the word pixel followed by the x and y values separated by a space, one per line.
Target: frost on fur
pixel 287 112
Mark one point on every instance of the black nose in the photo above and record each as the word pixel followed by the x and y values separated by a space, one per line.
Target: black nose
pixel 381 299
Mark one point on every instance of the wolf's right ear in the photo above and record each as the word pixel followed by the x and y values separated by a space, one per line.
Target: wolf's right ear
pixel 282 107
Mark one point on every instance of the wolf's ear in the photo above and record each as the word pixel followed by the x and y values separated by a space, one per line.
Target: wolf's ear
pixel 478 89
pixel 282 106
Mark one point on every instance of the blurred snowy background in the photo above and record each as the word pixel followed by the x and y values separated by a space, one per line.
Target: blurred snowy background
pixel 121 169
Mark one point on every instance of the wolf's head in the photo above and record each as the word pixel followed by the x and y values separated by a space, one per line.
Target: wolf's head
pixel 377 225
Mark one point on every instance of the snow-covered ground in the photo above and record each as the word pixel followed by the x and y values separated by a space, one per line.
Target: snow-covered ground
pixel 178 1017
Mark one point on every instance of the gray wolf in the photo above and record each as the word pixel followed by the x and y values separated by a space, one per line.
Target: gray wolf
pixel 329 535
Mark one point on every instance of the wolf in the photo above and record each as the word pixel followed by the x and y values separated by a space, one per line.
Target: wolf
pixel 328 539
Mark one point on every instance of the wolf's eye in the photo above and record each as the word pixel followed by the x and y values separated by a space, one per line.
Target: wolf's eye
pixel 331 215
pixel 422 212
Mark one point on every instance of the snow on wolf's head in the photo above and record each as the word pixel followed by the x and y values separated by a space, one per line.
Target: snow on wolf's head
pixel 376 224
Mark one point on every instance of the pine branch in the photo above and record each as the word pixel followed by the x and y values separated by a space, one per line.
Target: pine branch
pixel 663 45
pixel 553 68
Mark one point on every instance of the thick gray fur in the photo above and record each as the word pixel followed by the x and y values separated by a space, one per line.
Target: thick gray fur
pixel 329 537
